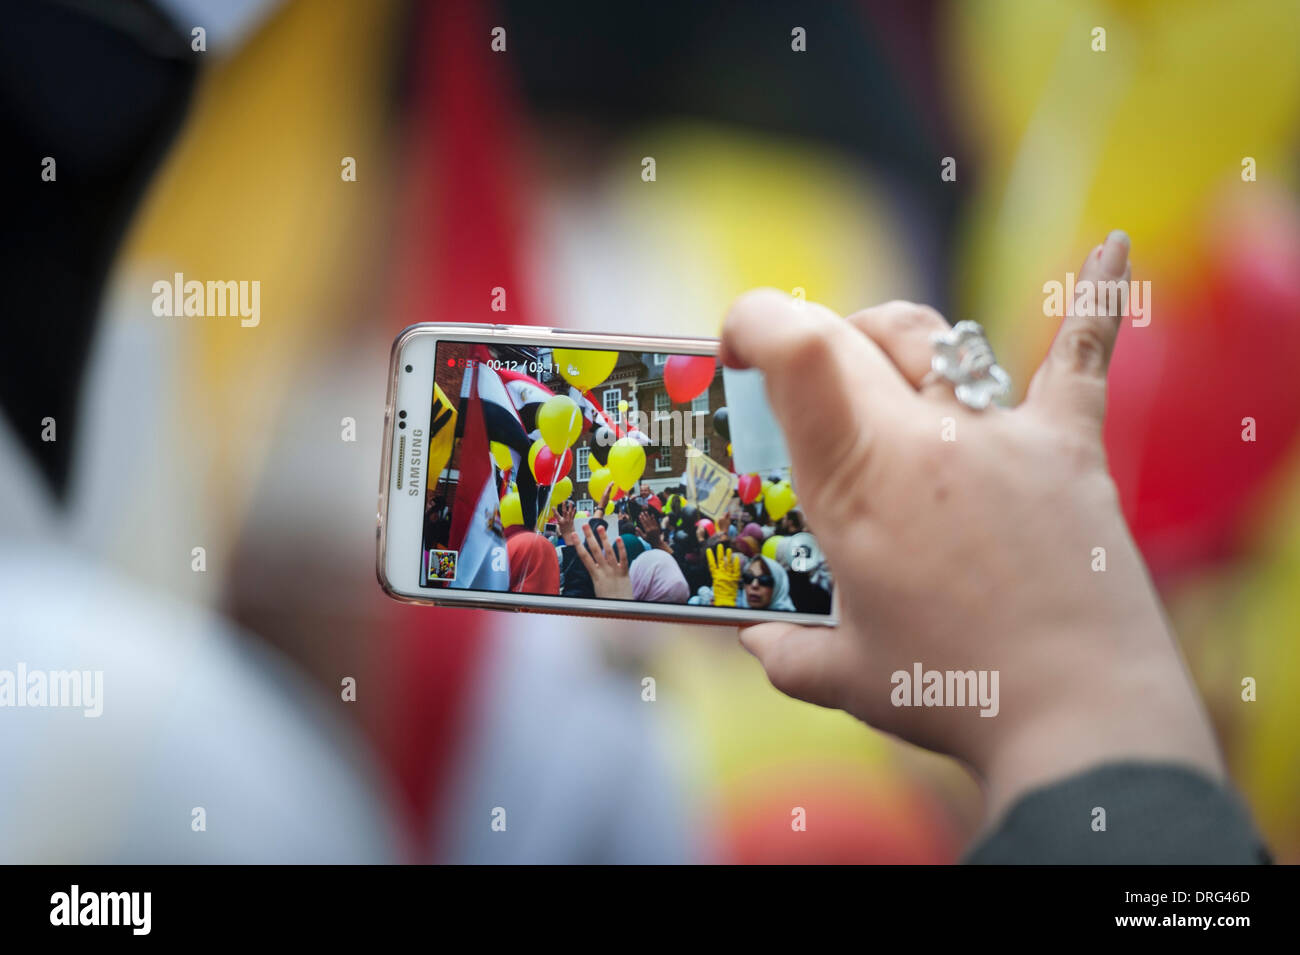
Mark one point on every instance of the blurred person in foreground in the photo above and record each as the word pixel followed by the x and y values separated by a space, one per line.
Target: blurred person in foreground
pixel 997 529
pixel 202 744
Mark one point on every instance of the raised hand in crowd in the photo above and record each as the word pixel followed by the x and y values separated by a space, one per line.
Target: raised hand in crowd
pixel 650 530
pixel 564 515
pixel 724 568
pixel 605 562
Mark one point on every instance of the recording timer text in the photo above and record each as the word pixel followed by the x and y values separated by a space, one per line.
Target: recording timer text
pixel 533 367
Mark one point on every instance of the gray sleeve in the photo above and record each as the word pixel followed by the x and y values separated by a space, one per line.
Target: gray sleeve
pixel 1129 813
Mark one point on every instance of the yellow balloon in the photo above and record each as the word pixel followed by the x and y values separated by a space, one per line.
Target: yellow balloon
pixel 512 512
pixel 501 455
pixel 769 545
pixel 599 480
pixel 779 499
pixel 561 491
pixel 560 422
pixel 584 369
pixel 532 456
pixel 626 462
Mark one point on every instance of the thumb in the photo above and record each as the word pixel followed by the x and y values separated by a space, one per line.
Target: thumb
pixel 815 366
pixel 813 664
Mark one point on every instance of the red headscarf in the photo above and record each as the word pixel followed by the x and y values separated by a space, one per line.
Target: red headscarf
pixel 534 565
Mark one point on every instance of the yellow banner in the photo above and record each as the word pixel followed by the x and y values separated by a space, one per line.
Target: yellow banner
pixel 708 485
pixel 442 434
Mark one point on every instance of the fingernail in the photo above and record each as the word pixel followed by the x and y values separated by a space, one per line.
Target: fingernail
pixel 1114 254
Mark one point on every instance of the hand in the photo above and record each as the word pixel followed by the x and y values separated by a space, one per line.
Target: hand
pixel 653 535
pixel 969 554
pixel 604 501
pixel 724 568
pixel 607 565
pixel 564 515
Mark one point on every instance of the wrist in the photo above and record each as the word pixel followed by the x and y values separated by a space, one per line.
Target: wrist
pixel 1141 709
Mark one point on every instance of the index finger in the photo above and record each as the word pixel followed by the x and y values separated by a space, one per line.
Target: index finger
pixel 1071 382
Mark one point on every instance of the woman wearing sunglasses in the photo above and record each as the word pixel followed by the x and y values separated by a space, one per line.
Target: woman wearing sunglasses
pixel 765 586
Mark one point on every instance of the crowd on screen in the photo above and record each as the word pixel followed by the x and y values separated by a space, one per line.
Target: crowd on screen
pixel 660 548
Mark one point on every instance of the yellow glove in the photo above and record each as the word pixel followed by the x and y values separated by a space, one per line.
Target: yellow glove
pixel 725 570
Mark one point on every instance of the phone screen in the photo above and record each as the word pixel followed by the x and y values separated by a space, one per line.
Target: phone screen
pixel 537 455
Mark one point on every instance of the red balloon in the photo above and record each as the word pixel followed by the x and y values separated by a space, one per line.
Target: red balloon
pixel 686 376
pixel 751 486
pixel 548 468
pixel 707 524
pixel 1218 351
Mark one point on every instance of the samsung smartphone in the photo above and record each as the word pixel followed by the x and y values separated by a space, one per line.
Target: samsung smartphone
pixel 501 442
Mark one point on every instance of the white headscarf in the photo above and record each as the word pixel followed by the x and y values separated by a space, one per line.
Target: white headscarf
pixel 780 586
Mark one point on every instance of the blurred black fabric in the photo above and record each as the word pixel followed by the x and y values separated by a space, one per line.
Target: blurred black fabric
pixel 866 86
pixel 866 83
pixel 1156 814
pixel 102 88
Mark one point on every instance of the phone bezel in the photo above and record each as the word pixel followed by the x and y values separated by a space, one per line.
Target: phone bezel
pixel 417 345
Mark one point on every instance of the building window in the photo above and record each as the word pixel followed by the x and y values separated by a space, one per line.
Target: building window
pixel 663 404
pixel 586 504
pixel 610 400
pixel 703 445
pixel 664 459
pixel 661 359
pixel 701 402
pixel 584 468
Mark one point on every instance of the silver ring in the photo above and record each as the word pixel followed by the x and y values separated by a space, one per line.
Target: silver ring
pixel 964 358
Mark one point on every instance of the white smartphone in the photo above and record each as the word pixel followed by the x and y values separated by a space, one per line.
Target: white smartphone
pixel 501 443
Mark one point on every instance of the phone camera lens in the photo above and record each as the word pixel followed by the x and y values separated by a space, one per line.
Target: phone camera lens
pixel 409 368
pixel 401 424
pixel 401 414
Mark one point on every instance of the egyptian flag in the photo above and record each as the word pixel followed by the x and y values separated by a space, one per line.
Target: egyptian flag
pixel 476 531
pixel 502 423
pixel 527 394
pixel 593 415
